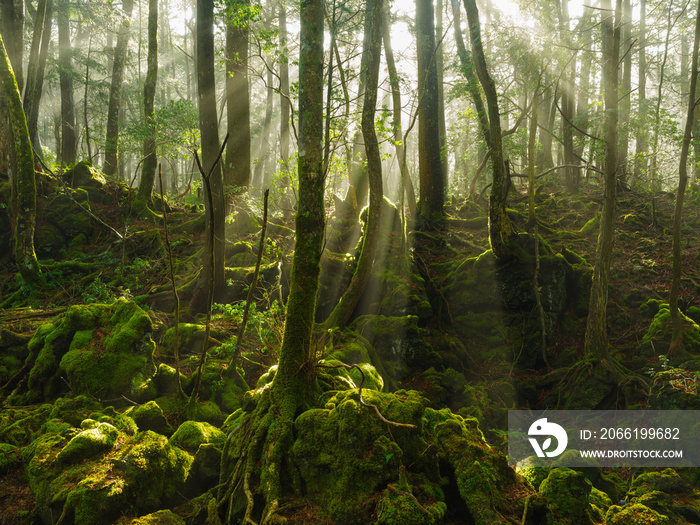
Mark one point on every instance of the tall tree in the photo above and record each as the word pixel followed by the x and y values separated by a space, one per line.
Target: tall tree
pixel 23 178
pixel 69 142
pixel 272 421
pixel 150 160
pixel 642 133
pixel 432 187
pixel 209 132
pixel 371 57
pixel 36 67
pixel 111 166
pixel 396 110
pixel 285 107
pixel 626 96
pixel 596 342
pixel 237 165
pixel 677 348
pixel 501 231
pixel 13 32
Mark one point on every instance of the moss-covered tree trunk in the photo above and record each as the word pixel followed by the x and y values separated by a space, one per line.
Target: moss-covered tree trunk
pixel 237 165
pixel 285 108
pixel 596 343
pixel 69 141
pixel 432 188
pixel 371 57
pixel 676 320
pixel 25 183
pixel 36 67
pixel 111 165
pixel 148 170
pixel 268 436
pixel 501 232
pixel 642 134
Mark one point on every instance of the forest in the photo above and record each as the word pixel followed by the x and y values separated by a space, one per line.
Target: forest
pixel 266 262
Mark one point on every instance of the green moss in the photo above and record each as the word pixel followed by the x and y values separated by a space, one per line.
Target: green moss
pixel 162 517
pixel 88 443
pixel 9 457
pixel 635 514
pixel 592 226
pixel 567 496
pixel 20 426
pixel 659 332
pixel 191 434
pixel 149 416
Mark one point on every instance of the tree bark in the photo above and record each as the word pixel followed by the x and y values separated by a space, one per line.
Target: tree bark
pixel 36 67
pixel 24 181
pixel 285 108
pixel 430 177
pixel 68 136
pixel 371 57
pixel 150 160
pixel 237 164
pixel 111 164
pixel 501 231
pixel 596 341
pixel 13 32
pixel 626 97
pixel 642 134
pixel 209 131
pixel 396 111
pixel 677 348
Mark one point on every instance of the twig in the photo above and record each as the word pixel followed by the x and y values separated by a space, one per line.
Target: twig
pixel 362 401
pixel 210 295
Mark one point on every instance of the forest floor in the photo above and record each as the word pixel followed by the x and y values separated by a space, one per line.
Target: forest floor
pixel 86 262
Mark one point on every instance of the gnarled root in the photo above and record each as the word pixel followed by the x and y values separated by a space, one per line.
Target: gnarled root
pixel 255 451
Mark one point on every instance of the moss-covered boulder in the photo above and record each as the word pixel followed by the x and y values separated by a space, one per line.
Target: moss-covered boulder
pixel 69 214
pixel 161 517
pixel 149 416
pixel 675 389
pixel 190 338
pixel 104 351
pixel 658 336
pixel 567 492
pixel 9 457
pixel 141 475
pixel 191 434
pixel 635 514
pixel 95 439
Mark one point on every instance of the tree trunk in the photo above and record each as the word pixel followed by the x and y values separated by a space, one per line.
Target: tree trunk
pixel 596 342
pixel 68 136
pixel 209 131
pixel 625 99
pixel 111 165
pixel 36 67
pixel 371 57
pixel 441 95
pixel 285 108
pixel 13 32
pixel 396 110
pixel 24 182
pixel 677 348
pixel 237 165
pixel 642 134
pixel 501 231
pixel 431 181
pixel 150 160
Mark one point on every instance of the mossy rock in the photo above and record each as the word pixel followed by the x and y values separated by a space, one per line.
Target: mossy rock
pixel 592 226
pixel 140 476
pixel 69 216
pixel 104 351
pixel 242 223
pixel 9 457
pixel 149 416
pixel 20 426
pixel 651 307
pixel 191 434
pixel 48 241
pixel 399 505
pixel 161 517
pixel 190 338
pixel 635 514
pixel 146 243
pixel 674 390
pixel 84 175
pixel 668 481
pixel 93 440
pixel 660 330
pixel 166 379
pixel 567 493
